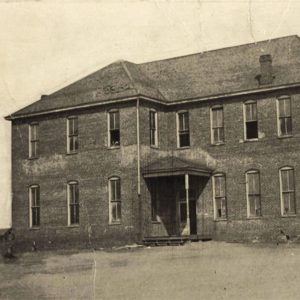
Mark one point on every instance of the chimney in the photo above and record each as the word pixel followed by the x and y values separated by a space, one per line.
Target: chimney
pixel 266 74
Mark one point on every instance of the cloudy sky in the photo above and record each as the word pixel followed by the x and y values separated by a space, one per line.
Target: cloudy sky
pixel 46 45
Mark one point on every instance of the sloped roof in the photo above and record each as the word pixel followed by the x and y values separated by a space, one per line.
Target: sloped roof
pixel 200 75
pixel 172 165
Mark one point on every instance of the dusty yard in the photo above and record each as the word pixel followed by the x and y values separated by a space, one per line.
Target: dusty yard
pixel 209 270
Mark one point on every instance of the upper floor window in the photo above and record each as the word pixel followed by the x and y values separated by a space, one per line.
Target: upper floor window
pixel 219 192
pixel 250 120
pixel 153 128
pixel 284 116
pixel 253 193
pixel 114 189
pixel 33 140
pixel 287 191
pixel 73 203
pixel 217 125
pixel 34 206
pixel 183 131
pixel 72 129
pixel 113 128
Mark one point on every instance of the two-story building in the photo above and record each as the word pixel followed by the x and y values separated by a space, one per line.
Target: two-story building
pixel 204 145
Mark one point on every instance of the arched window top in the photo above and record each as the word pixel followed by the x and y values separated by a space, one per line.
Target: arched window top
pixel 35 185
pixel 252 171
pixel 283 97
pixel 286 168
pixel 70 182
pixel 216 106
pixel 219 174
pixel 114 177
pixel 250 101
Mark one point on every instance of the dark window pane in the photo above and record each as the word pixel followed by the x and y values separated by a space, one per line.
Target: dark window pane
pixel 184 140
pixel 114 137
pixel 251 130
pixel 289 125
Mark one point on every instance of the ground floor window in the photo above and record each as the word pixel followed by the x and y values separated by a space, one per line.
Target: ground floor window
pixel 34 204
pixel 219 191
pixel 253 193
pixel 73 202
pixel 115 200
pixel 287 191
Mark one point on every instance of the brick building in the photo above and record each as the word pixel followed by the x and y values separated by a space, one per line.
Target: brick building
pixel 204 145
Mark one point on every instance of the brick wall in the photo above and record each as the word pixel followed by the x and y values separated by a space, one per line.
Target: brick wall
pixel 234 158
pixel 94 164
pixel 91 167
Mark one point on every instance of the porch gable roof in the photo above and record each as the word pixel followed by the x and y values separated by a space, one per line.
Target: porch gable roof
pixel 171 166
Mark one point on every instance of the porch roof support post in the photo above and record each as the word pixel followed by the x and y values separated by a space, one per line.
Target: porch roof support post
pixel 187 187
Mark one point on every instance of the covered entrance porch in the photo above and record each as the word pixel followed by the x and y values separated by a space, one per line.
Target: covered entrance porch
pixel 175 186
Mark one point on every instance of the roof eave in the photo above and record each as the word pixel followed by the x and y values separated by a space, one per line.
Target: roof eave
pixel 176 102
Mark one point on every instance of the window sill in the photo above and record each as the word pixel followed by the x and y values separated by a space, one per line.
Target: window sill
pixel 184 148
pixel 34 228
pixel 254 218
pixel 33 158
pixel 285 136
pixel 221 220
pixel 154 147
pixel 217 144
pixel 289 216
pixel 250 140
pixel 71 153
pixel 116 223
pixel 156 222
pixel 113 147
pixel 73 226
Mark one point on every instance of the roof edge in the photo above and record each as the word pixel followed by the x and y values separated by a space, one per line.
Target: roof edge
pixel 171 103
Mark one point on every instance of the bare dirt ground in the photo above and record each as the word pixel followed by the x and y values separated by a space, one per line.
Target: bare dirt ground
pixel 210 270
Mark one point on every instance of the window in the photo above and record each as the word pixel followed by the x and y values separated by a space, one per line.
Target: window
pixel 253 193
pixel 33 140
pixel 217 125
pixel 114 128
pixel 250 119
pixel 183 137
pixel 72 129
pixel 73 203
pixel 153 128
pixel 284 116
pixel 115 200
pixel 287 191
pixel 34 204
pixel 219 192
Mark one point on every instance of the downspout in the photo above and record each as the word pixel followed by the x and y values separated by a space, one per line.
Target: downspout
pixel 140 211
pixel 138 145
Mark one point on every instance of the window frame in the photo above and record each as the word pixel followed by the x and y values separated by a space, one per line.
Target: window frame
pixel 109 130
pixel 253 171
pixel 74 135
pixel 216 217
pixel 283 214
pixel 212 108
pixel 182 132
pixel 279 133
pixel 249 102
pixel 76 184
pixel 38 207
pixel 34 141
pixel 117 201
pixel 155 134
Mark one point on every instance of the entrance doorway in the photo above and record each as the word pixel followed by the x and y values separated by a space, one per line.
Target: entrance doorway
pixel 182 212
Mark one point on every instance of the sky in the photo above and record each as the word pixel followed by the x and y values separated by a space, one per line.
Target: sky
pixel 46 45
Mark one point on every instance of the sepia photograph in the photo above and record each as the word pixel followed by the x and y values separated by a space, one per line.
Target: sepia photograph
pixel 150 149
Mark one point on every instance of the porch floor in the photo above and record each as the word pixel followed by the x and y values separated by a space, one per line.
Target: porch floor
pixel 173 240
